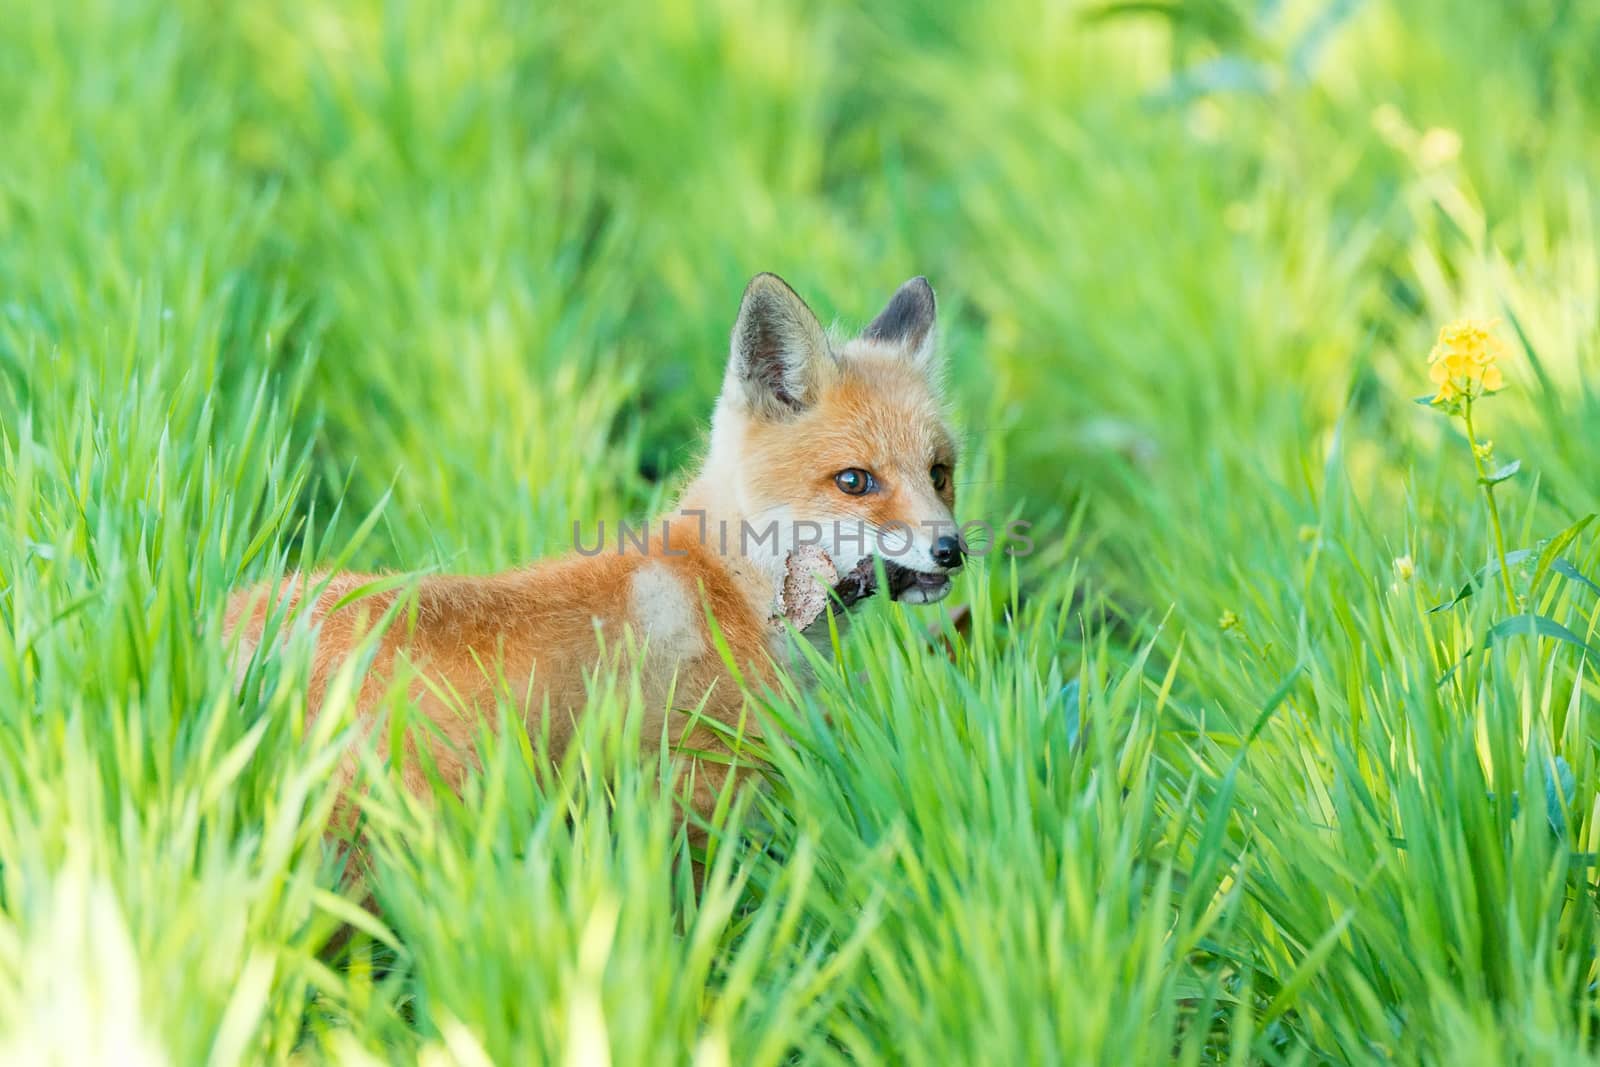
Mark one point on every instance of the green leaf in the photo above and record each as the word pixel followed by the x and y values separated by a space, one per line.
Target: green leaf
pixel 1279 695
pixel 1503 474
pixel 1525 624
pixel 1072 696
pixel 1477 580
pixel 1552 552
pixel 1549 561
pixel 1567 570
pixel 1560 790
pixel 1540 625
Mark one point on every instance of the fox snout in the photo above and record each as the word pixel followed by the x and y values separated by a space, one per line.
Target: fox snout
pixel 946 552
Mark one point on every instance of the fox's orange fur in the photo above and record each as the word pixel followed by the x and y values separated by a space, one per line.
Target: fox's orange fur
pixel 796 410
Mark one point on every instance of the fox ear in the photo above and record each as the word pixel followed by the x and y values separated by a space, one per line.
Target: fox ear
pixel 780 351
pixel 908 323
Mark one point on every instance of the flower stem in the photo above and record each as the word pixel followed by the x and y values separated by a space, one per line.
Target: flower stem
pixel 1494 510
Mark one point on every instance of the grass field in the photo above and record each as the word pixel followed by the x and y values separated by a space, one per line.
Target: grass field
pixel 415 286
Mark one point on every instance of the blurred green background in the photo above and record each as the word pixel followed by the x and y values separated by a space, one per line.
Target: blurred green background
pixel 1163 233
pixel 418 285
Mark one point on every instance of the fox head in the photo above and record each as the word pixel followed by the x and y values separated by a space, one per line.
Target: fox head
pixel 840 443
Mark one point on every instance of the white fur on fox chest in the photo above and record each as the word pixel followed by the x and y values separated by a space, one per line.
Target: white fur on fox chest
pixel 664 615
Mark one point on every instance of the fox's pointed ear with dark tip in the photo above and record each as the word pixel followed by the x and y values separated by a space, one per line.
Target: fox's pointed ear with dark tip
pixel 780 351
pixel 909 322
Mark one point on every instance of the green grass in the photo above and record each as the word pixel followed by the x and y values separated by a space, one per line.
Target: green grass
pixel 416 286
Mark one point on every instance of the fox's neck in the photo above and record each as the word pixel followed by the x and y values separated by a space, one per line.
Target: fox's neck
pixel 707 499
pixel 712 513
pixel 715 490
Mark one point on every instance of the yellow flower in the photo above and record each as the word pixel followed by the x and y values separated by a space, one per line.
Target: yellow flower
pixel 1404 571
pixel 1228 621
pixel 1464 364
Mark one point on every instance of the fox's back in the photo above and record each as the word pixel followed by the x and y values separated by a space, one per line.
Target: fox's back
pixel 530 638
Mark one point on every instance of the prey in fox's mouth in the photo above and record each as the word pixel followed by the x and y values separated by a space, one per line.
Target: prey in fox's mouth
pixel 905 584
pixel 917 587
pixel 811 583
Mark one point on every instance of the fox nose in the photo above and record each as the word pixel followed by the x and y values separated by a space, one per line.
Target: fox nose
pixel 947 552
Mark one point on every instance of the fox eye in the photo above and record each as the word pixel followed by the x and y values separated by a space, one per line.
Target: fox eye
pixel 941 477
pixel 854 481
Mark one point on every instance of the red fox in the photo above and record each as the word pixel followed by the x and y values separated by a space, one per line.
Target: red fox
pixel 824 454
